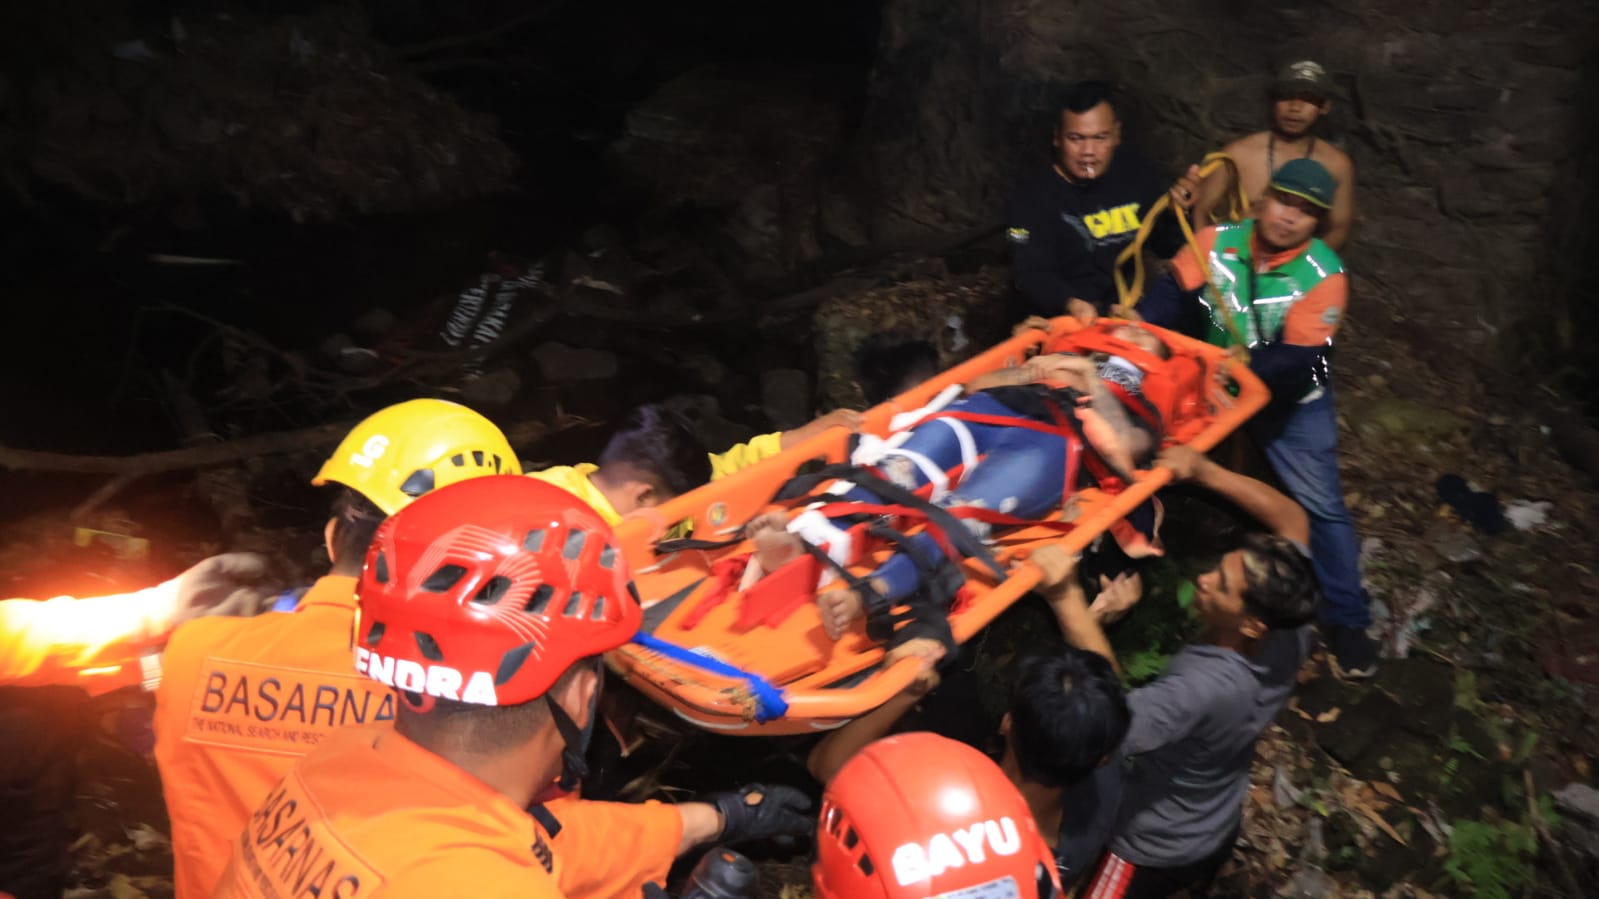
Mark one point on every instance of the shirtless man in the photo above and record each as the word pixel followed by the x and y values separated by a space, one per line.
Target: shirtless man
pixel 1301 94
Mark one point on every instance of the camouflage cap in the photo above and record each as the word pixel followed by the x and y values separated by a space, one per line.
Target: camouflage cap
pixel 1305 76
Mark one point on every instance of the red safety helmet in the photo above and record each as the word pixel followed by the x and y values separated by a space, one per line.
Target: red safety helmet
pixel 920 815
pixel 488 590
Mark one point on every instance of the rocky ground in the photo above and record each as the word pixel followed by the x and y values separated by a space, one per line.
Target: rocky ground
pixel 1464 769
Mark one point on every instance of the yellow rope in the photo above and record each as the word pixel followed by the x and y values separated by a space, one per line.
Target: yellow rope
pixel 1237 209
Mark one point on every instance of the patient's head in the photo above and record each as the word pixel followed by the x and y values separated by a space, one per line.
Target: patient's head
pixel 1143 338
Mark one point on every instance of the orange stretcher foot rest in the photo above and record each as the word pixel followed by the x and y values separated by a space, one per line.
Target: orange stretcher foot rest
pixel 758 662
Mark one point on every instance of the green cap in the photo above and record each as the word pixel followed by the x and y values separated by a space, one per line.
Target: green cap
pixel 1306 178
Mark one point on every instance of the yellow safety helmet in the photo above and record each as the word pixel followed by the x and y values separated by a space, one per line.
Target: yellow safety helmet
pixel 399 453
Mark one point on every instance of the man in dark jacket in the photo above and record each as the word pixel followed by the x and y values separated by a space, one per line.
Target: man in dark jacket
pixel 1068 222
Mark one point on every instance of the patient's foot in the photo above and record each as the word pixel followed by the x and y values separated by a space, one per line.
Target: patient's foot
pixel 840 609
pixel 1102 437
pixel 774 545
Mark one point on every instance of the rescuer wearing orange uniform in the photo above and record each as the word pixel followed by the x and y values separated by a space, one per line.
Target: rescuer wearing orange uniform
pixel 241 699
pixel 486 605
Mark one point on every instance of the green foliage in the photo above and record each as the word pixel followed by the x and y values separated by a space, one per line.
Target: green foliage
pixel 1458 744
pixel 1491 861
pixel 1529 742
pixel 1556 692
pixel 1466 697
pixel 1144 665
pixel 1547 810
pixel 1185 594
pixel 1158 626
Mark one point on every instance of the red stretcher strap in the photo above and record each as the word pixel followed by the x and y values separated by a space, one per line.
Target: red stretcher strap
pixel 724 575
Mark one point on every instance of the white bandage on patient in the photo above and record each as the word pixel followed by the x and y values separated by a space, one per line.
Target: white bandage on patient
pixel 1123 374
pixel 873 451
pixel 816 529
pixel 946 396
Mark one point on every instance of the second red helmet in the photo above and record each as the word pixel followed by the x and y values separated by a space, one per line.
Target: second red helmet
pixel 920 815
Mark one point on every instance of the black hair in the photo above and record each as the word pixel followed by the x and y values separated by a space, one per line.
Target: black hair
pixel 355 521
pixel 483 728
pixel 1085 95
pixel 1068 712
pixel 889 363
pixel 661 446
pixel 473 726
pixel 1280 586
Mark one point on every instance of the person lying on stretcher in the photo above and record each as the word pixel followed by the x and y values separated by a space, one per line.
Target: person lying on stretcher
pixel 1023 439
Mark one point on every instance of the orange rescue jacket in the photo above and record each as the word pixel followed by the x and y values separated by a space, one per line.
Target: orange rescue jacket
pixel 371 814
pixel 241 699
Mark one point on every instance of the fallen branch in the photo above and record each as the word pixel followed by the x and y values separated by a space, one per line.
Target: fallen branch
pixel 419 362
pixel 280 442
pixel 302 440
pixel 418 367
pixel 80 513
pixel 1551 846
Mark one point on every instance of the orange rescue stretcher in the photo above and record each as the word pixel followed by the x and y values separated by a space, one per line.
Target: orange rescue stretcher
pixel 723 665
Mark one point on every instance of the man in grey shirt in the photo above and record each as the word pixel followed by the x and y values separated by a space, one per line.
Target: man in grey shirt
pixel 1193 733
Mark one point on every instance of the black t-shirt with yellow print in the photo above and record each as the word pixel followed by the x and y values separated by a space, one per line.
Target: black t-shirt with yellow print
pixel 1065 235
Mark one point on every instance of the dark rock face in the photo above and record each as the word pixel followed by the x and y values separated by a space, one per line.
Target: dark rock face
pixel 1475 165
pixel 750 147
pixel 956 315
pixel 1462 119
pixel 307 115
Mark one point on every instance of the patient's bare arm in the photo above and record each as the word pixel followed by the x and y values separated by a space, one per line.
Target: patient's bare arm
pixel 1106 423
pixel 1133 440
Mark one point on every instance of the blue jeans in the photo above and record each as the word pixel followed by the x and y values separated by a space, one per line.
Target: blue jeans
pixel 1303 448
pixel 1022 472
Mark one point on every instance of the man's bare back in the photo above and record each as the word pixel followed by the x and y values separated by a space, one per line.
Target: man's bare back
pixel 1251 154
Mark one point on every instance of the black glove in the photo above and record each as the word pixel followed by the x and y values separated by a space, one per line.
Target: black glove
pixel 758 812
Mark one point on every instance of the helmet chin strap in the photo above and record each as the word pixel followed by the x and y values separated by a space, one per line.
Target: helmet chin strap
pixel 574 767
